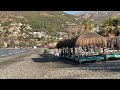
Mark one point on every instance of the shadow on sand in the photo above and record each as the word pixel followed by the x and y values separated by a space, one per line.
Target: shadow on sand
pixel 107 66
pixel 52 58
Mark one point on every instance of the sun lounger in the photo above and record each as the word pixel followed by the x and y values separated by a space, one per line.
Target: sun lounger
pixel 68 56
pixel 72 57
pixel 112 56
pixel 89 58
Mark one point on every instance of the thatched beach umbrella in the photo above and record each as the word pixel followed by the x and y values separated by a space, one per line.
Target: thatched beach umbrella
pixel 113 40
pixel 62 43
pixel 59 44
pixel 72 40
pixel 90 38
pixel 84 39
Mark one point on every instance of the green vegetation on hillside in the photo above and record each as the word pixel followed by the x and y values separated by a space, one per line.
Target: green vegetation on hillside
pixel 50 21
pixel 17 27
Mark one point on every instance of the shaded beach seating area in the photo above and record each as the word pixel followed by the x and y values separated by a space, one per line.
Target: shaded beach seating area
pixel 77 47
pixel 88 47
pixel 113 49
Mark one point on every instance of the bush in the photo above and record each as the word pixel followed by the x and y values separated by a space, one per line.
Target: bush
pixel 32 44
pixel 22 44
pixel 1 45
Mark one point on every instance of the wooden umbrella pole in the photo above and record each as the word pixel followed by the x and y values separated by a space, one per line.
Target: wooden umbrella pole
pixel 58 51
pixel 112 41
pixel 73 50
pixel 106 55
pixel 103 49
pixel 64 50
pixel 100 48
pixel 91 48
pixel 113 44
pixel 116 44
pixel 119 42
pixel 85 49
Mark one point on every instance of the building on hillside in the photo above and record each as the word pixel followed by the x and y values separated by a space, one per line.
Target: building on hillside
pixel 39 34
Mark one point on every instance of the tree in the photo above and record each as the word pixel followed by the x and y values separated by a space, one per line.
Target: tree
pixel 107 26
pixel 22 44
pixel 87 25
pixel 115 23
pixel 110 26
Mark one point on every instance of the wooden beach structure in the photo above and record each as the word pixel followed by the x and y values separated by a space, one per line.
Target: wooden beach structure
pixel 77 47
pixel 113 47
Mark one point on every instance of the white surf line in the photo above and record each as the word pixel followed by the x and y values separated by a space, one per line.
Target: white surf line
pixel 4 55
pixel 19 52
pixel 23 51
pixel 9 53
pixel 16 52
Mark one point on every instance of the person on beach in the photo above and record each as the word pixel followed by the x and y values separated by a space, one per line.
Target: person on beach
pixel 62 53
pixel 45 51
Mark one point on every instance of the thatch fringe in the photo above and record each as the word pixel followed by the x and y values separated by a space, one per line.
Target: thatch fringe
pixel 83 39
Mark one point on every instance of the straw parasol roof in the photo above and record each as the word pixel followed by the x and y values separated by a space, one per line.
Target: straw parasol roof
pixel 84 39
pixel 62 43
pixel 90 38
pixel 59 44
pixel 71 41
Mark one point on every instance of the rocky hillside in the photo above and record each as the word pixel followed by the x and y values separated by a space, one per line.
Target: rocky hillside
pixel 97 16
pixel 48 21
pixel 28 28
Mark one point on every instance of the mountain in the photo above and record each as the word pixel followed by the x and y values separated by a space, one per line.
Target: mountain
pixel 49 21
pixel 28 28
pixel 97 16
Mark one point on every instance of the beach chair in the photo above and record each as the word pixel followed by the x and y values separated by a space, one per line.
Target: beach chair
pixel 72 57
pixel 113 56
pixel 90 58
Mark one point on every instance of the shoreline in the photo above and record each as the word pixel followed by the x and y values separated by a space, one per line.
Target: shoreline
pixel 13 56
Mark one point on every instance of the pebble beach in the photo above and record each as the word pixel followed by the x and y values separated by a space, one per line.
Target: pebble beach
pixel 36 65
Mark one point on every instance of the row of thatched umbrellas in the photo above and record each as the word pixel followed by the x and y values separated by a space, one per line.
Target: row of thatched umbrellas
pixel 84 39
